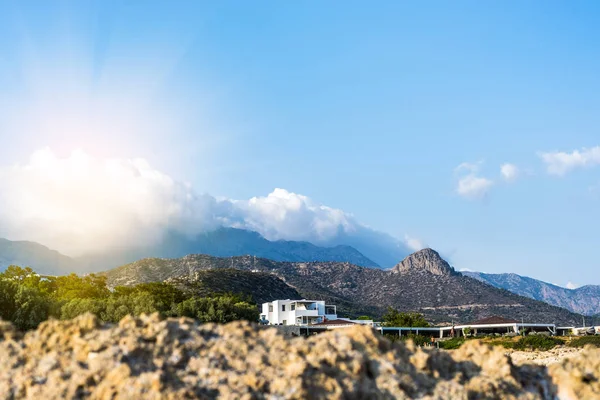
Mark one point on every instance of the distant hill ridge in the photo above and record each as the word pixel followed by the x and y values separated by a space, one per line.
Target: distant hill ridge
pixel 583 300
pixel 224 242
pixel 422 282
pixel 35 255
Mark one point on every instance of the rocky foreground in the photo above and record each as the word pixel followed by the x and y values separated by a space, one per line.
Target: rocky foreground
pixel 147 357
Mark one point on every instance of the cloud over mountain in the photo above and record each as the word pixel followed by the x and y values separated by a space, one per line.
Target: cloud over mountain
pixel 80 204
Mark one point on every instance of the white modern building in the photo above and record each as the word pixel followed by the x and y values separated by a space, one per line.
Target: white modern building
pixel 297 312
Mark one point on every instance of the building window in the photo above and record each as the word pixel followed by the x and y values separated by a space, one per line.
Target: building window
pixel 293 307
pixel 270 307
pixel 285 322
pixel 283 307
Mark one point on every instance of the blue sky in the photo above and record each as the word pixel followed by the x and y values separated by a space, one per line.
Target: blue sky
pixel 367 108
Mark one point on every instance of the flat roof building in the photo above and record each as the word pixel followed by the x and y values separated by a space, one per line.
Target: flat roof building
pixel 297 312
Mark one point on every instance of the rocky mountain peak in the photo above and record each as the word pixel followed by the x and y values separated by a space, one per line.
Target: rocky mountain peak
pixel 425 260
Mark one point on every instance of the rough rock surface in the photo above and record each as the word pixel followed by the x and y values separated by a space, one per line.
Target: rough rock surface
pixel 427 260
pixel 146 358
pixel 544 357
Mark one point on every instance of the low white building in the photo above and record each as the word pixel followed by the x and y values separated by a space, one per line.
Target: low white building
pixel 344 323
pixel 297 312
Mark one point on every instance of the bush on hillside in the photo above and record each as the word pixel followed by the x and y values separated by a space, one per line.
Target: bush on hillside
pixel 452 344
pixel 418 340
pixel 223 308
pixel 585 340
pixel 394 317
pixel 536 342
pixel 27 299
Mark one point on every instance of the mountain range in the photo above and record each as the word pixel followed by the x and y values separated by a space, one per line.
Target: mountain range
pixel 39 257
pixel 224 242
pixel 231 242
pixel 422 282
pixel 583 300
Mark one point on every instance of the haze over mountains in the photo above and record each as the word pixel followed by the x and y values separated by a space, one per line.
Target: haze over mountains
pixel 422 282
pixel 39 257
pixel 583 300
pixel 223 242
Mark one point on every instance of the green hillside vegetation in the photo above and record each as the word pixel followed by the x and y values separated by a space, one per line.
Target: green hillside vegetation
pixel 260 287
pixel 393 317
pixel 27 299
pixel 585 340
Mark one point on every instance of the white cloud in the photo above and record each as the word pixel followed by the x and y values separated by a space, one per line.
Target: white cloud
pixel 413 243
pixel 470 185
pixel 571 285
pixel 81 204
pixel 473 187
pixel 560 163
pixel 468 167
pixel 291 216
pixel 510 172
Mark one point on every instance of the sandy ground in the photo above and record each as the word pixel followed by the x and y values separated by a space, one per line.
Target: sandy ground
pixel 543 357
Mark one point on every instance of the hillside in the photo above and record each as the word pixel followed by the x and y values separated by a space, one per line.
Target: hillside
pixel 34 255
pixel 422 282
pixel 261 287
pixel 584 300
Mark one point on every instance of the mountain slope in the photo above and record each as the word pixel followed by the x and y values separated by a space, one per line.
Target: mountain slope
pixel 260 286
pixel 423 282
pixel 584 300
pixel 228 242
pixel 34 255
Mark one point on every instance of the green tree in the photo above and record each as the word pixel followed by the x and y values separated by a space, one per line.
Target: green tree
pixel 72 286
pixel 8 292
pixel 364 318
pixel 394 317
pixel 222 309
pixel 163 294
pixel 32 308
pixel 75 307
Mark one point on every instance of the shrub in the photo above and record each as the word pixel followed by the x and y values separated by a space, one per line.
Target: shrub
pixel 418 340
pixel 32 308
pixel 535 342
pixel 452 344
pixel 394 317
pixel 506 343
pixel 585 340
pixel 75 307
pixel 26 299
pixel 223 308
